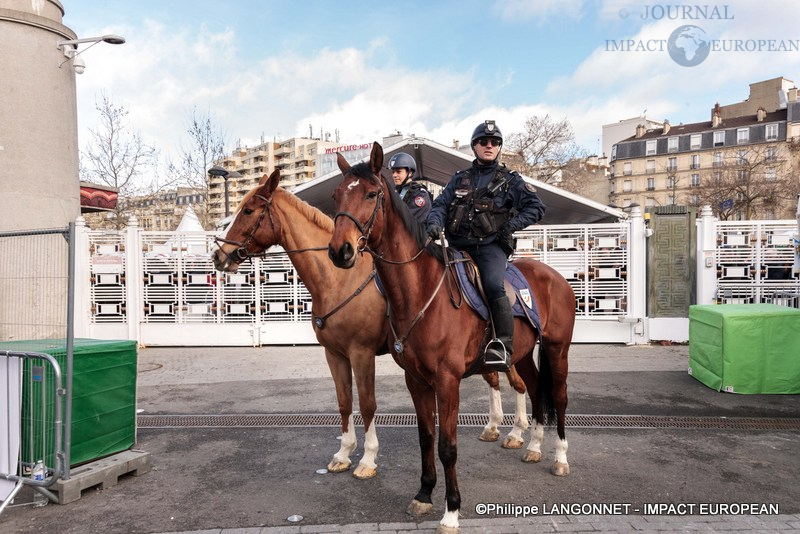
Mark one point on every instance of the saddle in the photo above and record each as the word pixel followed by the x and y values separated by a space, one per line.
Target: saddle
pixel 468 279
pixel 518 290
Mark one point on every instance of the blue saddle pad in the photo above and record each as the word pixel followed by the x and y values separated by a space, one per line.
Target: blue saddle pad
pixel 524 305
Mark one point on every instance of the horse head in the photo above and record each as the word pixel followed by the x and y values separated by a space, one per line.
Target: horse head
pixel 360 202
pixel 253 230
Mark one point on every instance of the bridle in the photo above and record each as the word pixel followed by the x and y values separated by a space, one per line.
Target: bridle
pixel 366 231
pixel 241 254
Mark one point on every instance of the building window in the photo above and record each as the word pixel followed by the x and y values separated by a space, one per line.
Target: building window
pixel 613 169
pixel 771 175
pixel 671 182
pixel 695 180
pixel 672 144
pixel 771 132
pixel 717 177
pixel 650 148
pixel 651 184
pixel 671 200
pixel 627 186
pixel 742 136
pixel 626 170
pixel 717 159
pixel 672 164
pixel 651 166
pixel 742 159
pixel 695 141
pixel 695 161
pixel 693 199
pixel 719 138
pixel 649 202
pixel 613 152
pixel 770 155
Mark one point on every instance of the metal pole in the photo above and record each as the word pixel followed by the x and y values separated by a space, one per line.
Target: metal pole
pixel 70 347
pixel 227 205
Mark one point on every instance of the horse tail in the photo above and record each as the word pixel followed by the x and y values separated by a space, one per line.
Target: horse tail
pixel 546 405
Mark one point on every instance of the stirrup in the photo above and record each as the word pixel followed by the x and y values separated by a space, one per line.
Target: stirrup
pixel 495 355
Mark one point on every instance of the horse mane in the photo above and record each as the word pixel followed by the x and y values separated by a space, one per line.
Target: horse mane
pixel 414 227
pixel 307 210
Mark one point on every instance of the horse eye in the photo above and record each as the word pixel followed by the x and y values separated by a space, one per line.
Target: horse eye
pixel 248 211
pixel 371 195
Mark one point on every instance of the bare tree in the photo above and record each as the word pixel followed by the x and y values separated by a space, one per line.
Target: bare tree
pixel 752 183
pixel 544 149
pixel 206 146
pixel 117 157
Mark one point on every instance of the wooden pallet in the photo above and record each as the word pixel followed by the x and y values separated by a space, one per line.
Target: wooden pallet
pixel 104 472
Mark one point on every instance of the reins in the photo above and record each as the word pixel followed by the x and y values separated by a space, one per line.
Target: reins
pixel 242 254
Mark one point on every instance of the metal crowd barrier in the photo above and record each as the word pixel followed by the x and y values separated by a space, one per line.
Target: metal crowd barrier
pixel 33 397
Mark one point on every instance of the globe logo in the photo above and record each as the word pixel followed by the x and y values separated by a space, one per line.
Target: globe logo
pixel 688 46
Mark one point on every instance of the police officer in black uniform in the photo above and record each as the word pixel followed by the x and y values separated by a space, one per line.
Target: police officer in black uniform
pixel 479 210
pixel 413 193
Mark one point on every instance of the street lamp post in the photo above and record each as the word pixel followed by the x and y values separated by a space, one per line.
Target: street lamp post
pixel 217 170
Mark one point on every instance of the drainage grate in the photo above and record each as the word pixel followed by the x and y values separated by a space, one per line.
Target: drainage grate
pixel 465 419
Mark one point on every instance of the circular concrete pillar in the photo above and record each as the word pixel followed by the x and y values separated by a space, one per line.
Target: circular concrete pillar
pixel 39 184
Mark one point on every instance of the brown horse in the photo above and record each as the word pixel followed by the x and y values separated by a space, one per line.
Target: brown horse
pixel 437 350
pixel 349 313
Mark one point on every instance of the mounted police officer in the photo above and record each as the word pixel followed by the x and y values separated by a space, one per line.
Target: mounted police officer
pixel 479 210
pixel 413 193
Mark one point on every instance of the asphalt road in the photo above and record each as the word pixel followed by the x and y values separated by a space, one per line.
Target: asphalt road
pixel 207 478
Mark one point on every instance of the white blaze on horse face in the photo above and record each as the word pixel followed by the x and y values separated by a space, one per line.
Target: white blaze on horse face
pixel 351 185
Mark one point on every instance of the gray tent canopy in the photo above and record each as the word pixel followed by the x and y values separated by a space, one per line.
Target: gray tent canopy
pixel 437 163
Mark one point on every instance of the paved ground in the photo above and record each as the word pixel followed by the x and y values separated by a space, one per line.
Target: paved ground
pixel 250 480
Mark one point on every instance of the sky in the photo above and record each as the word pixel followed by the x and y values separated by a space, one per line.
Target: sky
pixel 271 70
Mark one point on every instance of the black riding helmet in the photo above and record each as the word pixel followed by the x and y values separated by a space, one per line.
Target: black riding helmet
pixel 487 129
pixel 401 160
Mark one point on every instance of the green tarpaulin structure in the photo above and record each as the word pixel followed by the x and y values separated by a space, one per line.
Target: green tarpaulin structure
pixel 745 348
pixel 103 397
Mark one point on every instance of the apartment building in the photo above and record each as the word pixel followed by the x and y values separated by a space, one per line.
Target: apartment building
pixel 160 211
pixel 754 142
pixel 299 159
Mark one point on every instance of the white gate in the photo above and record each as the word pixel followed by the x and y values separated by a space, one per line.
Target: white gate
pixel 161 288
pixel 746 262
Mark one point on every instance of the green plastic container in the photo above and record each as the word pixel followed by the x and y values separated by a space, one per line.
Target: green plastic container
pixel 745 348
pixel 103 399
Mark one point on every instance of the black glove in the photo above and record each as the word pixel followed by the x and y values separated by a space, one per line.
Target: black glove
pixel 505 237
pixel 434 230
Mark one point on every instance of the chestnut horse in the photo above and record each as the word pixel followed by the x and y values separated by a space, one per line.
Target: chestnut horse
pixel 349 313
pixel 434 340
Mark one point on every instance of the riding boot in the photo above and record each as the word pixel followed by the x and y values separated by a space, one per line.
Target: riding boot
pixel 498 350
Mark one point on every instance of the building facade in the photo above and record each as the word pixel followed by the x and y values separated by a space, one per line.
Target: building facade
pixel 299 159
pixel 161 211
pixel 743 162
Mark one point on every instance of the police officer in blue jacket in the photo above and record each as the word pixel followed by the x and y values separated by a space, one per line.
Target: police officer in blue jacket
pixel 479 210
pixel 413 193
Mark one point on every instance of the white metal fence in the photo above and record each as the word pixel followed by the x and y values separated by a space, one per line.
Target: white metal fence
pixel 161 288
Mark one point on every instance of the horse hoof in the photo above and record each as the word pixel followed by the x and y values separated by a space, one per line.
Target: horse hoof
pixel 489 435
pixel 512 443
pixel 418 508
pixel 532 457
pixel 560 470
pixel 363 472
pixel 441 529
pixel 338 467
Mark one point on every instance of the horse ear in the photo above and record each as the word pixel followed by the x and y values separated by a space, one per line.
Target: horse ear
pixel 343 165
pixel 376 158
pixel 273 180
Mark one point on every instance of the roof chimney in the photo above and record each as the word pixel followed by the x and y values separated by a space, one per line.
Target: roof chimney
pixel 793 94
pixel 761 113
pixel 640 130
pixel 716 118
pixel 456 144
pixel 666 127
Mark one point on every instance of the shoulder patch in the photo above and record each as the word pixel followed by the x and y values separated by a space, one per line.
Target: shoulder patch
pixel 530 188
pixel 420 201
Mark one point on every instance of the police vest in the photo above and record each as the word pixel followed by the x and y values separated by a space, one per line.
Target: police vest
pixel 475 213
